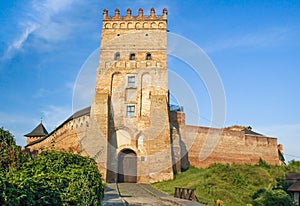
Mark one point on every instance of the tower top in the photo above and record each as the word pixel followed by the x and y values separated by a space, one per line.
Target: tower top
pixel 140 15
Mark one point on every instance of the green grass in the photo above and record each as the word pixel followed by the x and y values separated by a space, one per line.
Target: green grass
pixel 234 184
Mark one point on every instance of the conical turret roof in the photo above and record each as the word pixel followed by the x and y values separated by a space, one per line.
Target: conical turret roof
pixel 39 131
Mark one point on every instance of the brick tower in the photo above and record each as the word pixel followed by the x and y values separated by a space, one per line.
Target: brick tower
pixel 129 131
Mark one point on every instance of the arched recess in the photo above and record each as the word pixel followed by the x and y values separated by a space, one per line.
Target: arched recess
pixel 145 94
pixel 129 25
pixel 123 138
pixel 140 143
pixel 153 25
pixel 146 25
pixel 115 25
pixel 127 166
pixel 138 25
pixel 123 25
pixel 161 25
pixel 107 26
pixel 116 92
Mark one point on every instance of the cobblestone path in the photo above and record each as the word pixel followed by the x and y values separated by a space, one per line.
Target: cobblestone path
pixel 139 194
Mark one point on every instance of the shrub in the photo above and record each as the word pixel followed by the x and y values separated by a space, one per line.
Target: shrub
pixel 273 197
pixel 53 178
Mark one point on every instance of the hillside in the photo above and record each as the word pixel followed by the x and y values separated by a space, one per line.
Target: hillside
pixel 234 184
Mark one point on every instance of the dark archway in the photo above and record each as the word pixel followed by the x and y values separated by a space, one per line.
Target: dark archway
pixel 127 166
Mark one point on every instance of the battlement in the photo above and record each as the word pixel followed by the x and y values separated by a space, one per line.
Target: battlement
pixel 134 22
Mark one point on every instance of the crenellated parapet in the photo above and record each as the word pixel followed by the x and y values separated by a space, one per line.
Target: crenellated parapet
pixel 140 21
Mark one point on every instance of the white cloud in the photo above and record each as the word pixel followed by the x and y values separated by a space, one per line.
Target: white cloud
pixel 8 118
pixel 18 43
pixel 39 22
pixel 266 38
pixel 42 92
pixel 53 6
pixel 53 115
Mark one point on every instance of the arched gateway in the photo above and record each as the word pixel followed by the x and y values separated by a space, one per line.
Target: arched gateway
pixel 127 166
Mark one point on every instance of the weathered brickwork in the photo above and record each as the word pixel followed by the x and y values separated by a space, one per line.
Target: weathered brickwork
pixel 66 137
pixel 129 129
pixel 132 75
pixel 231 145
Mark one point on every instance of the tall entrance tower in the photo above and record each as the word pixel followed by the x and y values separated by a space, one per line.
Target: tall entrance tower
pixel 129 131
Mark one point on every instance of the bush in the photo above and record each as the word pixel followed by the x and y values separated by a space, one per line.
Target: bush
pixel 273 197
pixel 53 178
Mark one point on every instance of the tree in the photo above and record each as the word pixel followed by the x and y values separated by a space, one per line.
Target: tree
pixel 11 156
pixel 272 197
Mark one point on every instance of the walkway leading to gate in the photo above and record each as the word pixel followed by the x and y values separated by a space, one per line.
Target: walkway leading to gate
pixel 139 194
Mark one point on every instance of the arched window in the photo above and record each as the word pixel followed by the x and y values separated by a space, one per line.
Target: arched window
pixel 132 56
pixel 117 56
pixel 148 56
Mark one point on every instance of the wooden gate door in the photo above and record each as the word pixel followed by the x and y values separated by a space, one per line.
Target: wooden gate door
pixel 127 166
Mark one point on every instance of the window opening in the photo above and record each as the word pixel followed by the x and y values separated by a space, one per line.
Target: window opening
pixel 131 81
pixel 130 111
pixel 132 56
pixel 117 56
pixel 148 56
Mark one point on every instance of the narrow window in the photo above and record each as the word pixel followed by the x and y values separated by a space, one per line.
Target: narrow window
pixel 132 56
pixel 130 111
pixel 131 81
pixel 117 56
pixel 148 56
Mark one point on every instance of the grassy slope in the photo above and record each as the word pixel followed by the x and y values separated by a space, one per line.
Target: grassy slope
pixel 233 184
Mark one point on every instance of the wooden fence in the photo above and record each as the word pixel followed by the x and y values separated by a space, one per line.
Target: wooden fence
pixel 185 193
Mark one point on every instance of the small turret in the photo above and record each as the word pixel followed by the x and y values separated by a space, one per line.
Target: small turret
pixel 105 14
pixel 128 15
pixel 152 14
pixel 140 15
pixel 117 15
pixel 37 133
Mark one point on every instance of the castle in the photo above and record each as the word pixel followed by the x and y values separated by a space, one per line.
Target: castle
pixel 130 129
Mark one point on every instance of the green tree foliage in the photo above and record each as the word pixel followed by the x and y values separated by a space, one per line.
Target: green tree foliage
pixel 11 156
pixel 52 178
pixel 273 197
pixel 294 166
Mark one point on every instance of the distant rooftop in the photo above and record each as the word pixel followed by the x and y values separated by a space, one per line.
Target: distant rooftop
pixel 39 131
pixel 294 187
pixel 247 130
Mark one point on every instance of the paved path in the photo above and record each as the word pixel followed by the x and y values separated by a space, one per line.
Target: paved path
pixel 139 194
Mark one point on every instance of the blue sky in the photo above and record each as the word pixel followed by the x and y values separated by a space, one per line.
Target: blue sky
pixel 254 46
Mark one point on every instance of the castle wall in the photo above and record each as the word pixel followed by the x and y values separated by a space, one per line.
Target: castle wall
pixel 67 137
pixel 32 139
pixel 203 146
pixel 229 147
